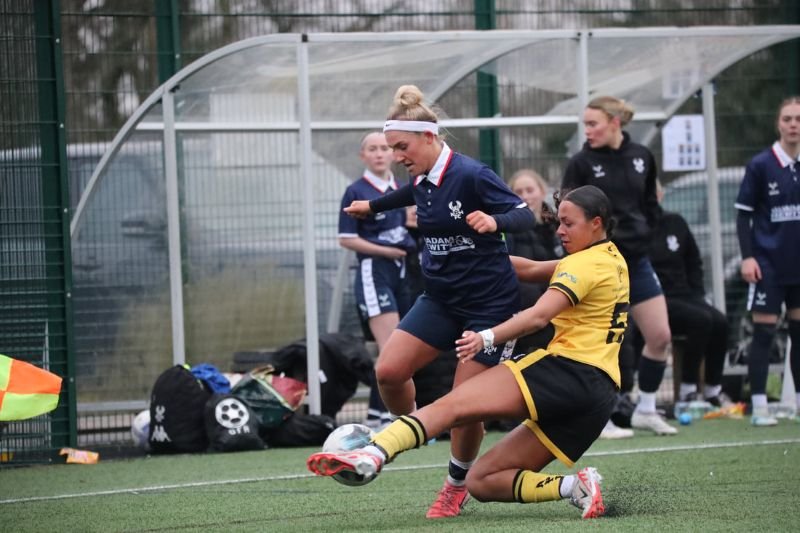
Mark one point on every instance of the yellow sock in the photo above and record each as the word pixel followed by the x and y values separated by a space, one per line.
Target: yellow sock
pixel 403 434
pixel 534 487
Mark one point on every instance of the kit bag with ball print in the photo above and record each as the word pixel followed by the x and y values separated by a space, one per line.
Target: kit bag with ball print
pixel 231 424
pixel 176 412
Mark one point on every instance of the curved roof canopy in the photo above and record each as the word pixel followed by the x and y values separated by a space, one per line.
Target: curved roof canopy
pixel 344 81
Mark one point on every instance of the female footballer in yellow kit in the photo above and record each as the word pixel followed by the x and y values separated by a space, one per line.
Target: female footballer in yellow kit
pixel 565 393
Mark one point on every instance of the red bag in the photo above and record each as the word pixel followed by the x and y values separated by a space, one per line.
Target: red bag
pixel 272 397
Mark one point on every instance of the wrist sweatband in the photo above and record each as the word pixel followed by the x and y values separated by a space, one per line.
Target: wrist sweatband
pixel 488 338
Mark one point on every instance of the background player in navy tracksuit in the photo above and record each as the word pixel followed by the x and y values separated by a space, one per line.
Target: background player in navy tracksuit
pixel 470 283
pixel 676 259
pixel 381 243
pixel 626 172
pixel 768 226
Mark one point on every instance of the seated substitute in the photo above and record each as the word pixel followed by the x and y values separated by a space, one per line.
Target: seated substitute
pixel 676 260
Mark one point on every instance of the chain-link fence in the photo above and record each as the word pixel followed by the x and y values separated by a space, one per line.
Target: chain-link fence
pixel 89 65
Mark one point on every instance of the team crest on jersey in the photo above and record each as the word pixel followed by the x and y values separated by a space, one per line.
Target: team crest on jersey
pixel 672 243
pixel 773 188
pixel 455 209
pixel 598 171
pixel 638 165
pixel 383 300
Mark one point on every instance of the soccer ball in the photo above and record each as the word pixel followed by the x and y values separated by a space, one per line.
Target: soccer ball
pixel 140 429
pixel 346 438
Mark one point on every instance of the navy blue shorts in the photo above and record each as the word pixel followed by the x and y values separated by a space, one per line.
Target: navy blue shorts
pixel 644 281
pixel 767 296
pixel 381 287
pixel 435 324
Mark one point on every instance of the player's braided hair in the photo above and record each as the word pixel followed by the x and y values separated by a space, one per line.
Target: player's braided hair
pixel 592 201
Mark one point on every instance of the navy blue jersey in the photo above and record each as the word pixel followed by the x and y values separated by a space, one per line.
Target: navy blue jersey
pixel 464 270
pixel 771 192
pixel 385 229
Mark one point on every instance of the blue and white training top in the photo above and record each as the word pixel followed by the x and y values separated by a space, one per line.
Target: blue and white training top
pixel 771 192
pixel 464 270
pixel 385 229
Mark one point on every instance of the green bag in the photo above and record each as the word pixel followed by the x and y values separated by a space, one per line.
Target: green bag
pixel 272 398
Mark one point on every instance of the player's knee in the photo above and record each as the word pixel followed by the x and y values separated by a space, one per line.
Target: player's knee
pixel 389 374
pixel 658 341
pixel 477 486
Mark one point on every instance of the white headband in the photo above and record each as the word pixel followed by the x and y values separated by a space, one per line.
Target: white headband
pixel 411 125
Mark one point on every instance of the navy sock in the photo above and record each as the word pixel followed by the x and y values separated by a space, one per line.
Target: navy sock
pixel 758 358
pixel 650 374
pixel 794 354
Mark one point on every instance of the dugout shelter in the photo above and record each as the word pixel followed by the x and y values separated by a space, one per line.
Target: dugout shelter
pixel 246 153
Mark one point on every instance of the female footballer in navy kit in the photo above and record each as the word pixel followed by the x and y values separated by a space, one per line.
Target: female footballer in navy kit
pixel 381 243
pixel 469 279
pixel 626 172
pixel 768 226
pixel 565 393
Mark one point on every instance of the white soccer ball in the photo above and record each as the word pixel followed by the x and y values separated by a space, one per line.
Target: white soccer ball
pixel 140 429
pixel 346 438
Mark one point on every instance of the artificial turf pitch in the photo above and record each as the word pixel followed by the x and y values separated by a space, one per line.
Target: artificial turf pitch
pixel 716 475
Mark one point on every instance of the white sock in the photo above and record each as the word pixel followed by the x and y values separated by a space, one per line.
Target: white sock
pixel 687 389
pixel 798 400
pixel 759 402
pixel 709 391
pixel 566 486
pixel 374 450
pixel 647 402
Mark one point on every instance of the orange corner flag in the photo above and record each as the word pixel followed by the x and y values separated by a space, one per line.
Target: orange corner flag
pixel 26 390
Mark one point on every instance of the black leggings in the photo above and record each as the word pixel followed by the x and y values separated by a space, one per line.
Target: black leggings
pixel 705 330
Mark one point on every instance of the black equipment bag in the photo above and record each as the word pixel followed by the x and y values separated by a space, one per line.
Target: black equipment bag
pixel 300 429
pixel 176 412
pixel 231 425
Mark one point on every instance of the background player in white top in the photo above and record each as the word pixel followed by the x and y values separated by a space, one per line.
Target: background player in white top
pixel 381 243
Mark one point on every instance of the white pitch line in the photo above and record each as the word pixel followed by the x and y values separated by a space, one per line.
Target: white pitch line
pixel 660 449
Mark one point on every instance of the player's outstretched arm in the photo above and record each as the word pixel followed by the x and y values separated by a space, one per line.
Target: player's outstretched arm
pixel 533 271
pixel 532 319
pixel 358 209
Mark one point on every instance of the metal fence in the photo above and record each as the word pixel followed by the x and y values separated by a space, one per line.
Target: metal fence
pixel 73 72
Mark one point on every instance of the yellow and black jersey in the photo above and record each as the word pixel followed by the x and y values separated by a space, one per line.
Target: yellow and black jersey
pixel 596 282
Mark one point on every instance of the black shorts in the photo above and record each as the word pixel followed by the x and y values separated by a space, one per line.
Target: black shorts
pixel 569 402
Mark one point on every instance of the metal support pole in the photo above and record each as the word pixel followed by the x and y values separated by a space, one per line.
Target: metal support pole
pixel 583 82
pixel 717 274
pixel 342 280
pixel 173 230
pixel 309 252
